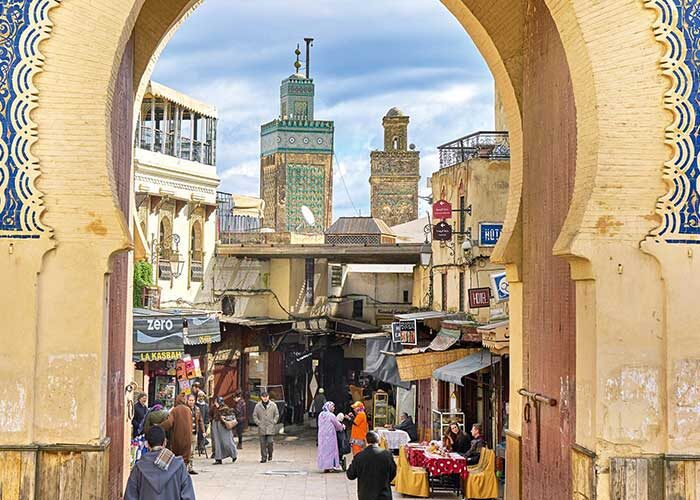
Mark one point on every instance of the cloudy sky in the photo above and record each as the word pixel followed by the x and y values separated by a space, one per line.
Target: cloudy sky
pixel 407 53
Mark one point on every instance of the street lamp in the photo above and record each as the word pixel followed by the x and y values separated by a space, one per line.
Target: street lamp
pixel 168 248
pixel 426 253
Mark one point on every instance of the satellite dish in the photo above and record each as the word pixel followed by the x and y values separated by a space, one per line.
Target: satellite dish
pixel 308 215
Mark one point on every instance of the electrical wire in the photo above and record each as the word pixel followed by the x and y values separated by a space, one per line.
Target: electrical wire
pixel 347 191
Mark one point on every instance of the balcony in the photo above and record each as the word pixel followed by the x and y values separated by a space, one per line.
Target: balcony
pixel 487 145
pixel 161 142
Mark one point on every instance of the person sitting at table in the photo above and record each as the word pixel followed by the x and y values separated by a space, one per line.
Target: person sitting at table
pixel 478 442
pixel 455 440
pixel 408 426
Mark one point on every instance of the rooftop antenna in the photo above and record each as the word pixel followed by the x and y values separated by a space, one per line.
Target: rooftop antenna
pixel 297 63
pixel 309 44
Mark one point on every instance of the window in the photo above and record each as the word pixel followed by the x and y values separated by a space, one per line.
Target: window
pixel 196 254
pixel 310 270
pixel 461 291
pixel 358 308
pixel 395 143
pixel 443 279
pixel 405 296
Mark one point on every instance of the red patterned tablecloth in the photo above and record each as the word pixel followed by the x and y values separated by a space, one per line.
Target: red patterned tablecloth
pixel 437 465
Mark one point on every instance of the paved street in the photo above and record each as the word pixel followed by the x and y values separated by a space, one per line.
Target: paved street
pixel 292 475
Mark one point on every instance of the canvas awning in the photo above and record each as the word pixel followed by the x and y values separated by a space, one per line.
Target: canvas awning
pixel 382 366
pixel 454 372
pixel 202 329
pixel 157 331
pixel 419 366
pixel 496 337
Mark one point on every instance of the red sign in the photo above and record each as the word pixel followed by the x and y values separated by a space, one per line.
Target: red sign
pixel 479 297
pixel 442 231
pixel 442 210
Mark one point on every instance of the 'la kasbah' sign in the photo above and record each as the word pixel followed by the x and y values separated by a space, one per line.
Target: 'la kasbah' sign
pixel 160 356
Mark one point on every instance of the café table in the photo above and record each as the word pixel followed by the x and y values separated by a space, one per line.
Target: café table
pixel 446 473
pixel 394 439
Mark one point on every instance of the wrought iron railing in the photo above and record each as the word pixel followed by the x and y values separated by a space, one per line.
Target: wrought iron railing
pixel 489 145
pixel 158 141
pixel 234 228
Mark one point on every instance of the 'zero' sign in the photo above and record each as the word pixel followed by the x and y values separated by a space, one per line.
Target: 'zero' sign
pixel 160 324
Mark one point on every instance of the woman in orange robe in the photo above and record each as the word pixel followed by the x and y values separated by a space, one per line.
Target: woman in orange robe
pixel 359 428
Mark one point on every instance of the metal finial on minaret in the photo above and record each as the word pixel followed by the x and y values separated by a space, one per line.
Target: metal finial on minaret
pixel 297 64
pixel 309 44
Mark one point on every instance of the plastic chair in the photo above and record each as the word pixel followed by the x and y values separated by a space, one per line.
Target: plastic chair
pixel 411 480
pixel 482 482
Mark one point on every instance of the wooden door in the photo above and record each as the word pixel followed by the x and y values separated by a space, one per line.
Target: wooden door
pixel 225 382
pixel 424 413
pixel 549 134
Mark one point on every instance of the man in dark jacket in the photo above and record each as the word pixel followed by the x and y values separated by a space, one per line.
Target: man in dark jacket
pixel 478 442
pixel 408 426
pixel 240 409
pixel 374 469
pixel 159 475
pixel 140 410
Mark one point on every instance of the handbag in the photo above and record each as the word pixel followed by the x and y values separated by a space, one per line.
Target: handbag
pixel 229 422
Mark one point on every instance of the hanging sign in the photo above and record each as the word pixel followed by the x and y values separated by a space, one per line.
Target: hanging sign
pixel 442 231
pixel 500 287
pixel 442 209
pixel 479 297
pixel 409 332
pixel 396 333
pixel 489 232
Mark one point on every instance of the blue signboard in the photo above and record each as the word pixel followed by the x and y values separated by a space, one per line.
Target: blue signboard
pixel 500 287
pixel 489 232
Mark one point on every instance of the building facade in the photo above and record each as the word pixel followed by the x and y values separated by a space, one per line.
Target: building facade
pixel 296 162
pixel 395 172
pixel 175 186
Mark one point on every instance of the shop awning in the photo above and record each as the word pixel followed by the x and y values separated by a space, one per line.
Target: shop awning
pixel 202 329
pixel 382 366
pixel 496 337
pixel 422 315
pixel 418 365
pixel 454 372
pixel 445 339
pixel 158 331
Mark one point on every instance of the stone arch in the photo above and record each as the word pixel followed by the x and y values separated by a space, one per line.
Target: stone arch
pixel 601 227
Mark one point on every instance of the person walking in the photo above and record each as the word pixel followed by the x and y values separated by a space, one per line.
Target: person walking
pixel 374 469
pixel 197 424
pixel 156 415
pixel 204 412
pixel 159 475
pixel 220 435
pixel 328 458
pixel 241 410
pixel 317 404
pixel 179 423
pixel 265 416
pixel 140 411
pixel 359 428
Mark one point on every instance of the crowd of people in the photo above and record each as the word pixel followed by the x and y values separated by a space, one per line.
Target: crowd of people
pixel 163 472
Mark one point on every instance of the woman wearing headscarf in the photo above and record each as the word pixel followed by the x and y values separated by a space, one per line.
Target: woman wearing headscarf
pixel 359 428
pixel 328 426
pixel 222 437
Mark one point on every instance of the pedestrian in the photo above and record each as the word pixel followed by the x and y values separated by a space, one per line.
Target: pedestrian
pixel 473 454
pixel 359 428
pixel 140 411
pixel 204 411
pixel 196 389
pixel 265 416
pixel 159 475
pixel 328 458
pixel 179 423
pixel 408 426
pixel 317 404
pixel 241 410
pixel 222 437
pixel 375 469
pixel 343 440
pixel 198 428
pixel 156 415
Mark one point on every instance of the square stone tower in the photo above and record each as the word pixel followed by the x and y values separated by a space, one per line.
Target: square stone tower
pixel 296 161
pixel 395 173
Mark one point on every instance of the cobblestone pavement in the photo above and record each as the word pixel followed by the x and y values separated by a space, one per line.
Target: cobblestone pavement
pixel 292 475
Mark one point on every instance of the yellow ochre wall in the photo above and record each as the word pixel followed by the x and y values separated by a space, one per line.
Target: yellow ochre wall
pixel 637 346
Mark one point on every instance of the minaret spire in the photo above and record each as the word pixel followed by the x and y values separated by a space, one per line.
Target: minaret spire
pixel 297 64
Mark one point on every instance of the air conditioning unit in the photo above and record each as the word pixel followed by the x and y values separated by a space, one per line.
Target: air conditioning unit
pixel 228 305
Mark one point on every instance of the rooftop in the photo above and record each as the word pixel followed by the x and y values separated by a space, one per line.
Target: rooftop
pixel 359 225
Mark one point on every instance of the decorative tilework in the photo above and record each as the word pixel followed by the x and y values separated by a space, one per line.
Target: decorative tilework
pixel 24 24
pixel 678 28
pixel 305 186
